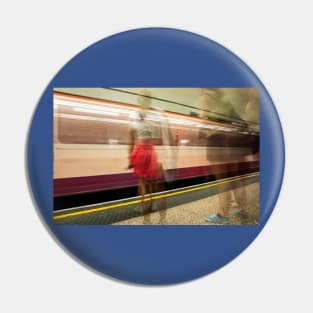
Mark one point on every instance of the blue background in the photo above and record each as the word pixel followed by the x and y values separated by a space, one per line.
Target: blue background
pixel 154 57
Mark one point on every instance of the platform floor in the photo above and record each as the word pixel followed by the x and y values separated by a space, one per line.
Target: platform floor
pixel 185 206
pixel 194 213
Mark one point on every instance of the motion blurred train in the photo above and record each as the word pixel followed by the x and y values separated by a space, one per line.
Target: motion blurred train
pixel 92 136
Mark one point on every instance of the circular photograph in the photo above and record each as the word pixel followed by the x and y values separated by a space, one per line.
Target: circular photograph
pixel 155 156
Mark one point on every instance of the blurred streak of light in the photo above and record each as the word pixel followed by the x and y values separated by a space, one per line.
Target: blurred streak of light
pixel 184 141
pixel 75 104
pixel 104 112
pixel 91 118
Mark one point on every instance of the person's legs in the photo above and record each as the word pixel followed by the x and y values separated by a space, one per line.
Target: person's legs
pixel 240 195
pixel 223 200
pixel 150 191
pixel 145 210
pixel 161 203
pixel 142 191
pixel 224 197
pixel 241 198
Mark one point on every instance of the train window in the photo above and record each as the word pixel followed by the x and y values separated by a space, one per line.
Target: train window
pixel 75 128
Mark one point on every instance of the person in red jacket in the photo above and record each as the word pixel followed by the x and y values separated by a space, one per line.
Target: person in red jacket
pixel 142 156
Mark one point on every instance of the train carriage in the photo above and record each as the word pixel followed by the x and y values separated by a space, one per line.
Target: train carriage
pixel 91 143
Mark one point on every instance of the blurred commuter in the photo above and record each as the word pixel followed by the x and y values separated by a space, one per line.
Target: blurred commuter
pixel 215 106
pixel 143 158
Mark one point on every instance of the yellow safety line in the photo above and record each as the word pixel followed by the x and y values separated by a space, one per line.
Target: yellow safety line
pixel 175 193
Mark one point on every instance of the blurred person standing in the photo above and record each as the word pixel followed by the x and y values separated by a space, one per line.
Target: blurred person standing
pixel 214 105
pixel 143 157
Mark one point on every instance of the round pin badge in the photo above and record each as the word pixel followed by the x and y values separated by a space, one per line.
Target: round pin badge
pixel 155 156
